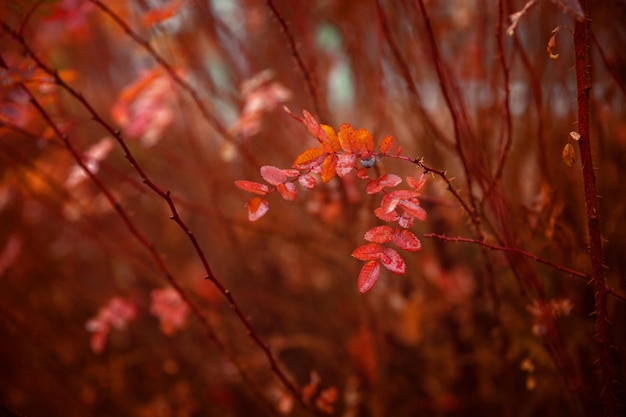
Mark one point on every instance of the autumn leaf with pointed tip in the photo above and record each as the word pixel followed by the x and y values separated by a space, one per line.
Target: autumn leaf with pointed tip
pixel 368 276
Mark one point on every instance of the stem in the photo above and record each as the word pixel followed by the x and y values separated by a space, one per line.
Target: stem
pixel 582 49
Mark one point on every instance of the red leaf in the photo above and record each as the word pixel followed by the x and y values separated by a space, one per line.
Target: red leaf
pixel 379 234
pixel 257 208
pixel 170 309
pixel 288 191
pixel 416 184
pixel 385 180
pixel 406 220
pixel 392 216
pixel 413 209
pixel 389 180
pixel 311 124
pixel 406 240
pixel 252 187
pixel 307 181
pixel 388 203
pixel 393 261
pixel 368 276
pixel 273 175
pixel 345 163
pixel 368 252
pixel 386 144
pixel 291 172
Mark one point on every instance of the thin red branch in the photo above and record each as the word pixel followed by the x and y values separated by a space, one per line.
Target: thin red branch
pixel 165 195
pixel 582 48
pixel 306 74
pixel 507 93
pixel 405 72
pixel 573 272
pixel 143 240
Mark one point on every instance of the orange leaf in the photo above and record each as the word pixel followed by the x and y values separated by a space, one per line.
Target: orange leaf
pixel 368 276
pixel 333 140
pixel 362 141
pixel 308 158
pixel 386 144
pixel 329 168
pixel 256 208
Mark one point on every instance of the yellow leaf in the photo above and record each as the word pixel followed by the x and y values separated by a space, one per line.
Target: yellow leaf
pixel 307 157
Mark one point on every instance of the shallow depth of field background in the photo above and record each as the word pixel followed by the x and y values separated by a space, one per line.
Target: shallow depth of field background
pixel 456 336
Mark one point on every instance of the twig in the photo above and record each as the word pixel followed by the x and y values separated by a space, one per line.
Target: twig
pixel 306 74
pixel 211 119
pixel 507 93
pixel 408 79
pixel 614 292
pixel 582 48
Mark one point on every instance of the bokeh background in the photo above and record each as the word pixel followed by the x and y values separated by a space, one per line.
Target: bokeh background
pixel 89 324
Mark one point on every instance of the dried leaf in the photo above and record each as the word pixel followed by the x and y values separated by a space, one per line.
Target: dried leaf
pixel 368 276
pixel 379 234
pixel 368 252
pixel 257 208
pixel 574 135
pixel 551 46
pixel 252 187
pixel 569 156
pixel 386 144
pixel 393 261
pixel 406 240
pixel 273 175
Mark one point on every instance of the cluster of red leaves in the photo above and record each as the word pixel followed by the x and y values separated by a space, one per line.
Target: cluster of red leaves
pixel 115 314
pixel 339 152
pixel 171 310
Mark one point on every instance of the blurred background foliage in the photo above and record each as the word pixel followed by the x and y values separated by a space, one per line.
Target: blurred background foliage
pixel 458 335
